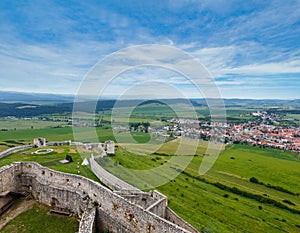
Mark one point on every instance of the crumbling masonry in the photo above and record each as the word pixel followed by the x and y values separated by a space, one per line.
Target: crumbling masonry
pixel 98 207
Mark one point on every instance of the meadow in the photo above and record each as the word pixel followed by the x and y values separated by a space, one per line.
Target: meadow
pixel 295 117
pixel 19 124
pixel 224 199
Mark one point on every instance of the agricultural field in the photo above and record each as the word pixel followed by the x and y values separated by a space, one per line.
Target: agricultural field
pixel 19 124
pixel 224 199
pixel 295 117
pixel 37 220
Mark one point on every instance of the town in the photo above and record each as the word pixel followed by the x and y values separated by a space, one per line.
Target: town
pixel 265 131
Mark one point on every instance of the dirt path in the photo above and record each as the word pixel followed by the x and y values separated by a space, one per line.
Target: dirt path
pixel 15 210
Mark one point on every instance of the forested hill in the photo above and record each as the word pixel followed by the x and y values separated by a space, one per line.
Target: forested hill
pixel 33 104
pixel 25 97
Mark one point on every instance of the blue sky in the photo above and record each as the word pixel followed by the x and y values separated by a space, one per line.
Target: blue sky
pixel 252 48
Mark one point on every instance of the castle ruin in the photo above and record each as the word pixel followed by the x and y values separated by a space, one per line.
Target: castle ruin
pixel 123 210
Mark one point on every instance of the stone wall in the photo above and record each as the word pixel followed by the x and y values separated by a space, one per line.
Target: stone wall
pixel 14 150
pixel 153 201
pixel 8 179
pixel 126 210
pixel 108 179
pixel 59 143
pixel 174 218
pixel 140 198
pixel 159 207
pixel 87 223
pixel 69 191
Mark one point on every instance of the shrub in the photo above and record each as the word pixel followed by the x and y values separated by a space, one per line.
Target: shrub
pixel 288 202
pixel 254 180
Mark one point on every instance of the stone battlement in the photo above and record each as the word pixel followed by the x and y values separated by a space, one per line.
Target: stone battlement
pixel 73 193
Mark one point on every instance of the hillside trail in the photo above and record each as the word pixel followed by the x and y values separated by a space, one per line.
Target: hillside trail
pixel 16 210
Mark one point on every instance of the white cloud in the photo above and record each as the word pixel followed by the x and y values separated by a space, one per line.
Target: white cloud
pixel 266 68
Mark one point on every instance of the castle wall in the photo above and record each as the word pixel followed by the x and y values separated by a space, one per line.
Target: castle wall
pixel 59 198
pixel 67 191
pixel 129 211
pixel 14 150
pixel 8 179
pixel 87 223
pixel 59 143
pixel 174 218
pixel 140 198
pixel 159 208
pixel 108 179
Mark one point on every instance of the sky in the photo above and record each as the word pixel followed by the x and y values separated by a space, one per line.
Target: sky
pixel 250 48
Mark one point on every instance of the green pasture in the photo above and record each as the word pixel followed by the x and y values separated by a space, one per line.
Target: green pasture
pixel 17 124
pixel 85 134
pixel 27 135
pixel 202 203
pixel 296 118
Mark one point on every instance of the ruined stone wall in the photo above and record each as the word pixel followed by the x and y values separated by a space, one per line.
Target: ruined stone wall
pixel 87 223
pixel 8 178
pixel 116 213
pixel 140 198
pixel 68 192
pixel 14 150
pixel 57 197
pixel 59 143
pixel 159 208
pixel 108 179
pixel 174 218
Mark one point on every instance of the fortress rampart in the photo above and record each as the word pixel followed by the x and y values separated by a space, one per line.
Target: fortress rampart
pixel 126 209
pixel 14 150
pixel 72 193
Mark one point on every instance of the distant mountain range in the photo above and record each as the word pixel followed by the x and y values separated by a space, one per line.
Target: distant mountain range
pixel 9 96
pixel 21 104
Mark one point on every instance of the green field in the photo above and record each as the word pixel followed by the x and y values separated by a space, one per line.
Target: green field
pixel 37 220
pixel 295 117
pixel 206 205
pixel 18 124
pixel 19 137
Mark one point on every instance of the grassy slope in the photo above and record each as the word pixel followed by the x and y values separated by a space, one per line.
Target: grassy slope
pixel 205 205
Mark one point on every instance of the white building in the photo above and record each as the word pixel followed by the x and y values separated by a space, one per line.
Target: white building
pixel 109 147
pixel 39 142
